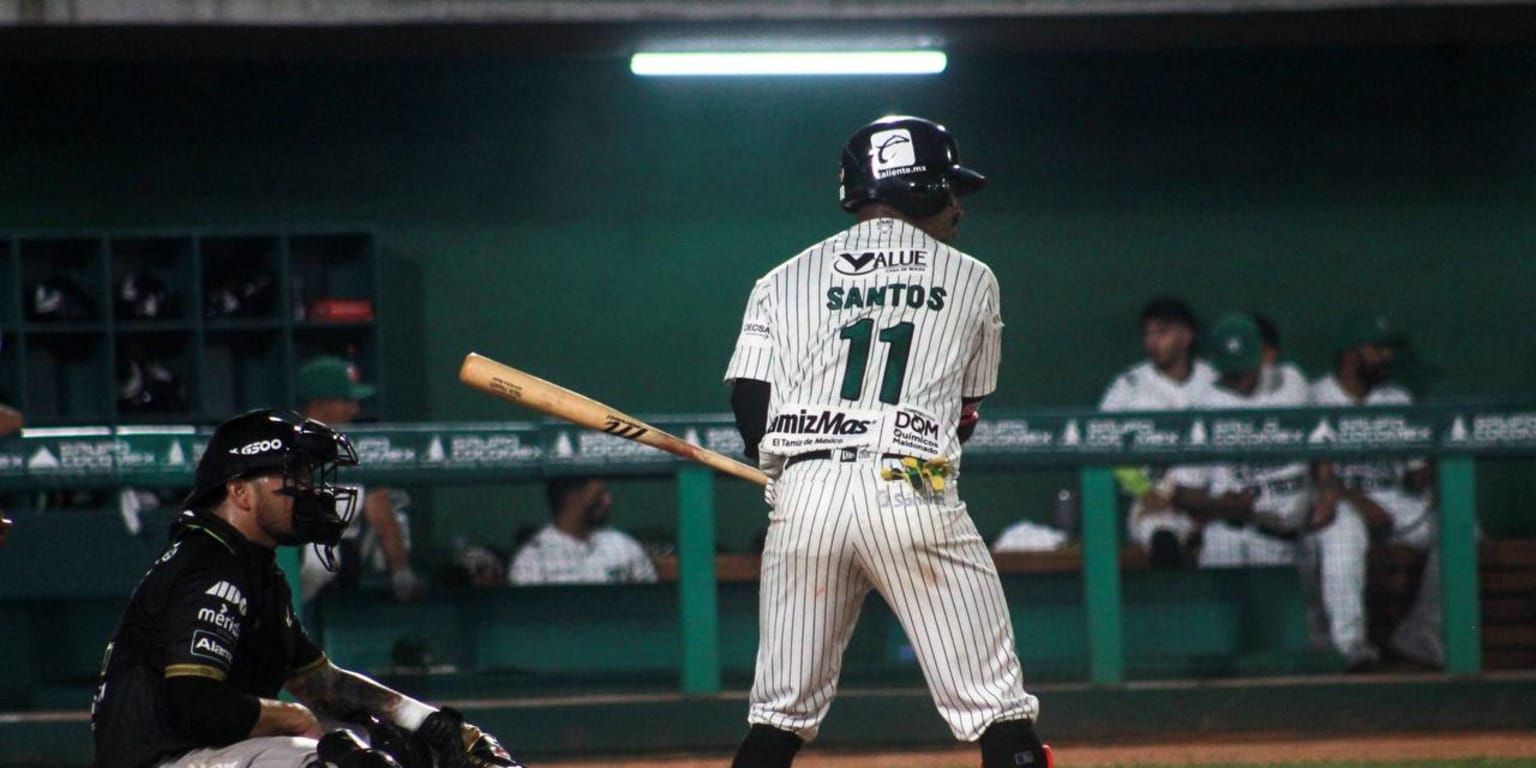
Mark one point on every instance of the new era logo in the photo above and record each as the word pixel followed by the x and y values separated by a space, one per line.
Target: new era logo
pixel 228 593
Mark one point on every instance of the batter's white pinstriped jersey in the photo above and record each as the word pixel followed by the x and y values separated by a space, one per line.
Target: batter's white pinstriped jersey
pixel 870 338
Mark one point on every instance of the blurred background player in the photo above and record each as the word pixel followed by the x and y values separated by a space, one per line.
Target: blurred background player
pixel 1253 512
pixel 329 391
pixel 1169 379
pixel 578 546
pixel 11 420
pixel 1388 500
pixel 1281 380
pixel 192 674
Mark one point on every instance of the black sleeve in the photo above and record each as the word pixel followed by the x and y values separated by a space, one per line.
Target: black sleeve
pixel 209 711
pixel 205 611
pixel 749 401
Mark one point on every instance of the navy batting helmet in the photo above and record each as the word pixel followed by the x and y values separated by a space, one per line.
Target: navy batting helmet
pixel 909 163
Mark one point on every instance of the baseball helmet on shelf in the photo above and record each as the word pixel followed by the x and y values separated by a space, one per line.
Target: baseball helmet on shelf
pixel 59 299
pixel 909 163
pixel 240 291
pixel 146 386
pixel 306 452
pixel 142 296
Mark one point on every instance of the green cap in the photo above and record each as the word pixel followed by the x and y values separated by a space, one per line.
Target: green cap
pixel 1235 346
pixel 1368 329
pixel 330 378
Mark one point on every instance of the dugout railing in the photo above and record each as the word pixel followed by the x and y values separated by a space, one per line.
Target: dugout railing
pixel 1091 441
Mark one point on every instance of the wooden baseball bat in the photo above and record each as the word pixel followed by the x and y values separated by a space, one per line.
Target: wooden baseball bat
pixel 509 383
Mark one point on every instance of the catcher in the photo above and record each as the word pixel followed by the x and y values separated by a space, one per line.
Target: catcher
pixel 209 638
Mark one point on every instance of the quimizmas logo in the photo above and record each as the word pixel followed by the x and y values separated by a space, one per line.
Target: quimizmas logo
pixel 806 422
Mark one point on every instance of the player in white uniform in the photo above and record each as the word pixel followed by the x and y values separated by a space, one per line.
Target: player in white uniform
pixel 378 542
pixel 1168 380
pixel 578 546
pixel 1391 497
pixel 1254 512
pixel 1282 381
pixel 856 375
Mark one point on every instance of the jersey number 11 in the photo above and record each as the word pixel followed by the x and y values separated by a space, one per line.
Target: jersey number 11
pixel 858 333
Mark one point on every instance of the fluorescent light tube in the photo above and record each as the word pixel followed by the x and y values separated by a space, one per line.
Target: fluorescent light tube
pixel 921 62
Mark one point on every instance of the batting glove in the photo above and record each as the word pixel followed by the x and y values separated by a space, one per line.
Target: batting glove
pixel 458 744
pixel 771 464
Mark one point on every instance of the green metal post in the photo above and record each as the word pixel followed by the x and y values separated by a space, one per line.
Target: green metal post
pixel 1101 575
pixel 1459 589
pixel 696 587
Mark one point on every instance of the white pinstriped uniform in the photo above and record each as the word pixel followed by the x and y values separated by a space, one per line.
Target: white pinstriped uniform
pixel 1142 387
pixel 880 293
pixel 1338 551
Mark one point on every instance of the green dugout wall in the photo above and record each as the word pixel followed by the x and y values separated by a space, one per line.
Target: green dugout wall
pixel 603 230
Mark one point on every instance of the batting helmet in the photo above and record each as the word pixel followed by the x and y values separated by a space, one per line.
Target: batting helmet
pixel 909 163
pixel 305 451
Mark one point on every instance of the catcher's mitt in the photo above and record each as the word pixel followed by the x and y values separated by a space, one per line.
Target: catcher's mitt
pixel 410 750
pixel 457 744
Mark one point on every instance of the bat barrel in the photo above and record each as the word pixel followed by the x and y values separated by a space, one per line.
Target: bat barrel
pixel 508 383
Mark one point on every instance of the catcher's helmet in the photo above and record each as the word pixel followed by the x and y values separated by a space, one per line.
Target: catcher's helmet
pixel 909 163
pixel 305 451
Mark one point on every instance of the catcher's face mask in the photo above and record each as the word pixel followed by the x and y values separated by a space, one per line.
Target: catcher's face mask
pixel 321 508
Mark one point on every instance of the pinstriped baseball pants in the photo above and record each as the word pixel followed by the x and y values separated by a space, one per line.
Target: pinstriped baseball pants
pixel 834 535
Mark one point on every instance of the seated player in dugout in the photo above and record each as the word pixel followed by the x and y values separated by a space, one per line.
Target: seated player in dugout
pixel 192 674
pixel 1373 499
pixel 1253 512
pixel 329 391
pixel 1169 379
pixel 578 545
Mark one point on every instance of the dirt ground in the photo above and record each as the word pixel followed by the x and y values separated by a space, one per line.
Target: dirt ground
pixel 1263 749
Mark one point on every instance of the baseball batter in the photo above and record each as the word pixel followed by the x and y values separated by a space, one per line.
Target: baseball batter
pixel 855 379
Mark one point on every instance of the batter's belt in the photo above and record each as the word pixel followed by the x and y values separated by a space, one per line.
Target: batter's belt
pixel 840 454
